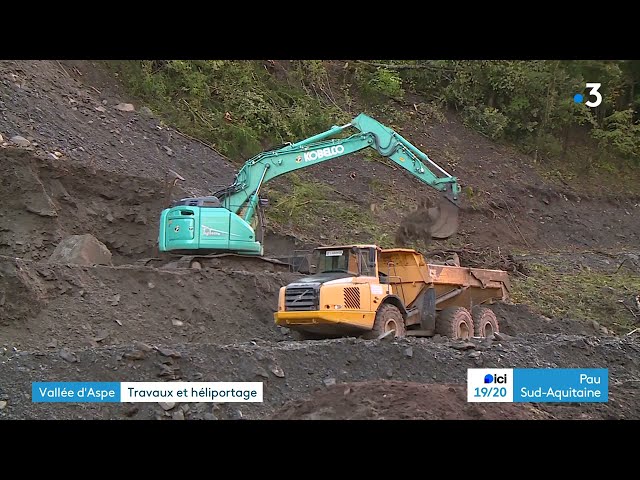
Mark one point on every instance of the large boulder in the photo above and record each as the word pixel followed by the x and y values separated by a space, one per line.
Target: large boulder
pixel 81 250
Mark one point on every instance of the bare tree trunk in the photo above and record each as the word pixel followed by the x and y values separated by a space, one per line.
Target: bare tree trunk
pixel 545 118
pixel 565 142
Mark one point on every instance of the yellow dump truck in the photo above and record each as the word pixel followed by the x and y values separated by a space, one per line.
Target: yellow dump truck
pixel 367 291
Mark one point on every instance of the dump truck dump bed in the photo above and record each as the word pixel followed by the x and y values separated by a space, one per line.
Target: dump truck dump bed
pixel 408 272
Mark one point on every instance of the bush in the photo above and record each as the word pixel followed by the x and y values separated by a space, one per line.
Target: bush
pixel 488 121
pixel 620 135
pixel 240 107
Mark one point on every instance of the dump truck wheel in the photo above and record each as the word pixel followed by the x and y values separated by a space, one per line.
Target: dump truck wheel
pixel 455 322
pixel 388 318
pixel 485 323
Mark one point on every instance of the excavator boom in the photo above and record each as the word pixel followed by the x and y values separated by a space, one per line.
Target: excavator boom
pixel 226 220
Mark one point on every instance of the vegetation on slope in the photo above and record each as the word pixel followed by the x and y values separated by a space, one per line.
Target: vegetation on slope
pixel 243 106
pixel 588 295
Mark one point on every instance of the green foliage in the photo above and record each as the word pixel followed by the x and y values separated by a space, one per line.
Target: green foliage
pixel 585 295
pixel 387 82
pixel 379 83
pixel 244 107
pixel 432 111
pixel 238 106
pixel 488 121
pixel 620 135
pixel 305 202
pixel 531 102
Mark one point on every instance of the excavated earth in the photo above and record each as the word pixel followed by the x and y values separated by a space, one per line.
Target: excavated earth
pixel 139 320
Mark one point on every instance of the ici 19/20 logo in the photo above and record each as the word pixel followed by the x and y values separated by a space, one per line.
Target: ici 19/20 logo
pixel 488 378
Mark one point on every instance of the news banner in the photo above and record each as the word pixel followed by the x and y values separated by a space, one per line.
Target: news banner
pixel 483 385
pixel 537 385
pixel 146 392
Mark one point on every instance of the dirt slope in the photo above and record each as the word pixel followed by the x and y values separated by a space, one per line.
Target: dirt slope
pixel 61 110
pixel 390 400
pixel 297 371
pixel 48 306
pixel 101 323
pixel 55 104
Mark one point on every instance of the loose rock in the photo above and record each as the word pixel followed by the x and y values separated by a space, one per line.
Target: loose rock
pixel 178 415
pixel 168 352
pixel 329 382
pixel 167 405
pixel 125 107
pixel 20 141
pixel 501 336
pixel 68 356
pixel 81 250
pixel 142 346
pixel 464 346
pixel 135 355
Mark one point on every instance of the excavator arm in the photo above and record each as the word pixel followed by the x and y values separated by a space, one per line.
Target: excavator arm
pixel 224 221
pixel 242 196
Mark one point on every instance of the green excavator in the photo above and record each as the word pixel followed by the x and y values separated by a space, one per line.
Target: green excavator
pixel 230 221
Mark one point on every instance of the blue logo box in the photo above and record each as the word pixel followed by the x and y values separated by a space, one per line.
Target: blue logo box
pixel 561 385
pixel 69 392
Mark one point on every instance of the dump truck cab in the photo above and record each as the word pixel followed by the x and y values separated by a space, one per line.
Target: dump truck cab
pixel 368 291
pixel 340 296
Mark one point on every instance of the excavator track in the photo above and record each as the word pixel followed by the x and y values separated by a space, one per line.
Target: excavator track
pixel 222 260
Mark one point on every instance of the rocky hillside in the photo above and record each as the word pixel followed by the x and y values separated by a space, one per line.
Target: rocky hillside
pixel 81 155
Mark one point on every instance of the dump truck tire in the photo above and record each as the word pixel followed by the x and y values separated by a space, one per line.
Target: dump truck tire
pixel 455 322
pixel 388 318
pixel 485 323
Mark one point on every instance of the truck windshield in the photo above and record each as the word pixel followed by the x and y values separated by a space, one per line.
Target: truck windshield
pixel 353 261
pixel 336 260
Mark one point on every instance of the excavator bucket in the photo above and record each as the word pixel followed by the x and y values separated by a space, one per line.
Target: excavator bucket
pixel 428 222
pixel 444 219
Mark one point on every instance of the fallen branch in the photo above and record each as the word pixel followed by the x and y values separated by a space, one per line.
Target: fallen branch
pixel 513 220
pixel 620 266
pixel 635 315
pixel 389 66
pixel 202 142
pixel 633 331
pixel 65 72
